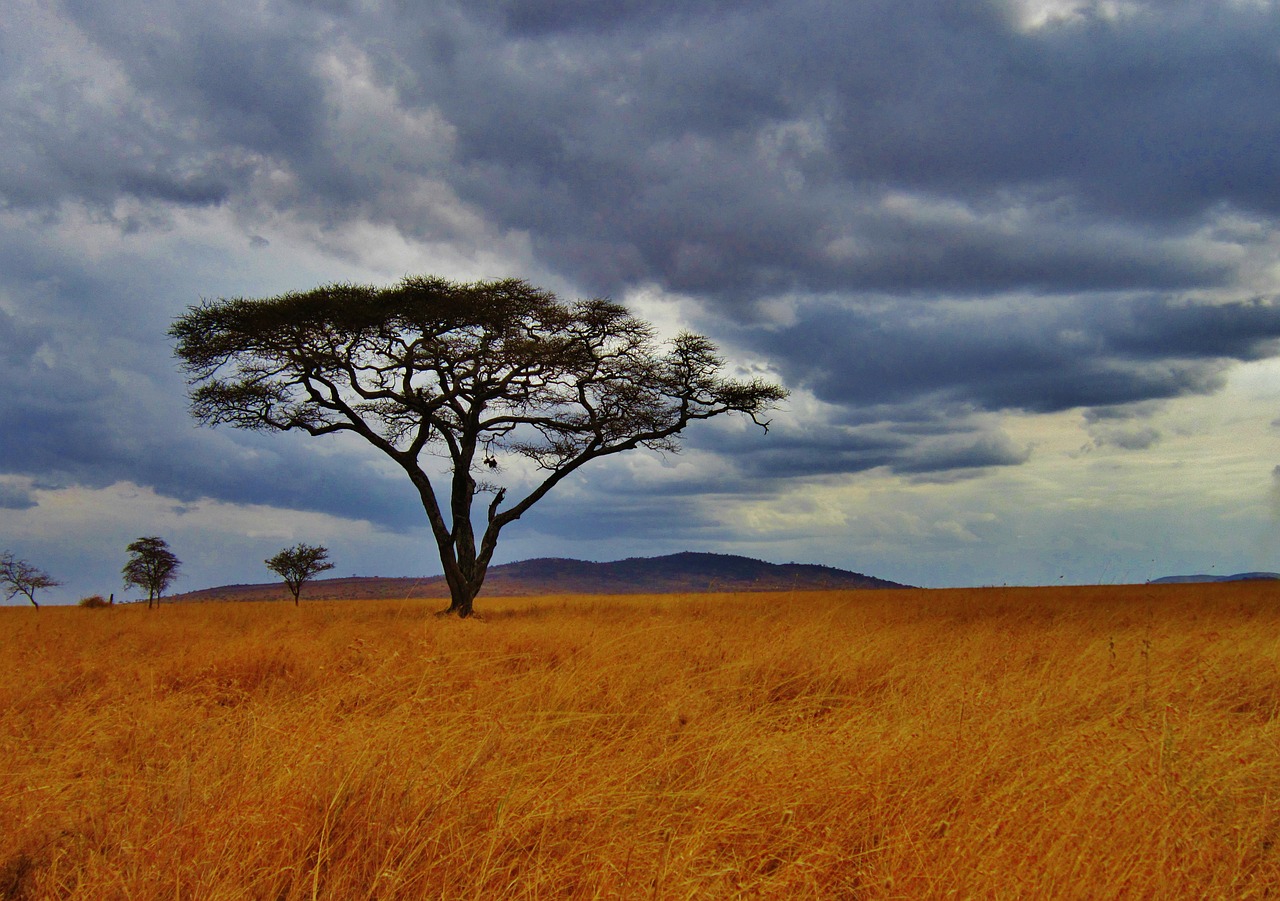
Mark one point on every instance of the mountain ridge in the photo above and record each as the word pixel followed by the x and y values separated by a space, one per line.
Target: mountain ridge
pixel 683 573
pixel 1204 577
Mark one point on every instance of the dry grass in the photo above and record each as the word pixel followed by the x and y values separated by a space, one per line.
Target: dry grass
pixel 1002 743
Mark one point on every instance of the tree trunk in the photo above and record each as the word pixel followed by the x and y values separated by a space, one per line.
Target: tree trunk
pixel 464 575
pixel 462 595
pixel 461 601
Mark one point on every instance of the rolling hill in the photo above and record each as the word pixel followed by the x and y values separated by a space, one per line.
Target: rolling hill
pixel 672 574
pixel 1203 577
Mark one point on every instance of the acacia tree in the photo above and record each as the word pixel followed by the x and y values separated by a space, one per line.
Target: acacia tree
pixel 482 374
pixel 152 567
pixel 20 577
pixel 297 565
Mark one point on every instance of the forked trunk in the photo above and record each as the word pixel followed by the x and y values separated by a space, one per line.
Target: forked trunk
pixel 462 606
pixel 464 577
pixel 461 600
pixel 462 595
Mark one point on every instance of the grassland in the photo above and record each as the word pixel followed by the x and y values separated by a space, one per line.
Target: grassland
pixel 998 743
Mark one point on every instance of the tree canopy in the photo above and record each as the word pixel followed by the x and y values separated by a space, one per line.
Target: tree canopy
pixel 483 374
pixel 152 567
pixel 297 565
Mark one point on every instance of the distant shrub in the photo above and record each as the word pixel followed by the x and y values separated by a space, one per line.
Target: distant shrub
pixel 95 601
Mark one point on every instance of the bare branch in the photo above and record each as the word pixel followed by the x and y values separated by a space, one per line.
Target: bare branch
pixel 20 577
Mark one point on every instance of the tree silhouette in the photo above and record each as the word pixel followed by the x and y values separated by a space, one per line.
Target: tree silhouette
pixel 20 577
pixel 297 565
pixel 152 567
pixel 486 373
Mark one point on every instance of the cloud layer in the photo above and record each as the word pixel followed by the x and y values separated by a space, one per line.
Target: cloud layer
pixel 926 218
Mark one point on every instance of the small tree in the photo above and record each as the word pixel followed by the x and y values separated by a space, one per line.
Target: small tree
pixel 477 373
pixel 20 577
pixel 297 565
pixel 153 568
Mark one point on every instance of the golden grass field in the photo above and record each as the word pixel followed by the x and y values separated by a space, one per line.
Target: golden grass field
pixel 1111 742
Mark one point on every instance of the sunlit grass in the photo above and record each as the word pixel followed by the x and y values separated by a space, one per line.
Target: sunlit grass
pixel 1067 743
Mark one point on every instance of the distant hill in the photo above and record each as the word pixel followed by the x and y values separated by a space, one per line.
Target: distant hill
pixel 1238 577
pixel 673 574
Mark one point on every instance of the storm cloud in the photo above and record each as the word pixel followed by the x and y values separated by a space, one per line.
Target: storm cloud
pixel 921 216
pixel 1038 354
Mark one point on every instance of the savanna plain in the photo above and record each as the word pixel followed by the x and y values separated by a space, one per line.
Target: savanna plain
pixel 1104 742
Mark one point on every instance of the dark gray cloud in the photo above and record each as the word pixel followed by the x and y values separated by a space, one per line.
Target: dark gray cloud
pixel 65 423
pixel 92 396
pixel 1155 114
pixel 543 17
pixel 919 441
pixel 1038 354
pixel 14 497
pixel 723 149
pixel 1126 427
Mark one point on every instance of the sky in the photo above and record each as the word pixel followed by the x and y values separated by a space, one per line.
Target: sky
pixel 1016 261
